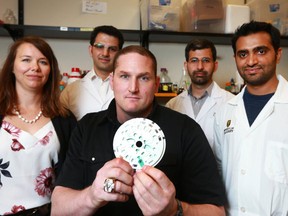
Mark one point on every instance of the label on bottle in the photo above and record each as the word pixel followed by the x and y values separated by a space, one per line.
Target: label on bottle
pixel 165 87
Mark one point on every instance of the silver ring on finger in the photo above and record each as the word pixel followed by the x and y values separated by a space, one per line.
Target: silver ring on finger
pixel 109 185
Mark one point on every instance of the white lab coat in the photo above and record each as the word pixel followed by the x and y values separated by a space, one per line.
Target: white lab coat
pixel 205 118
pixel 254 160
pixel 82 96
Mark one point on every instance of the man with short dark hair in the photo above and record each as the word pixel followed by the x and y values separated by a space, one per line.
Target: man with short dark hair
pixel 185 179
pixel 93 93
pixel 204 97
pixel 251 143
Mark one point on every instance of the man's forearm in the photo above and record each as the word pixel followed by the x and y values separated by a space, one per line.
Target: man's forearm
pixel 66 201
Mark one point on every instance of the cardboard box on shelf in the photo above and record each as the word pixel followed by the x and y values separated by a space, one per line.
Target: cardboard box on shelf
pixel 202 16
pixel 160 14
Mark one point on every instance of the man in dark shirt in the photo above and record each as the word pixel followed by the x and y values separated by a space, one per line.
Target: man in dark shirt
pixel 93 181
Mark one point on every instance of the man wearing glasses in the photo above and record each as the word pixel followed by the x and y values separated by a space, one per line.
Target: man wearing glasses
pixel 93 92
pixel 203 97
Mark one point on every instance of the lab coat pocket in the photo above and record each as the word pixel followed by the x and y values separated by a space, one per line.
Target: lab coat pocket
pixel 276 162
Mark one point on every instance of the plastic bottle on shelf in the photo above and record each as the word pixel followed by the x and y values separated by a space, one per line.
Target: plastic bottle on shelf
pixel 165 81
pixel 74 75
pixel 185 81
pixel 64 81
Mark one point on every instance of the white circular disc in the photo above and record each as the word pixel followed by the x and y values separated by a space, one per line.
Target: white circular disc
pixel 139 141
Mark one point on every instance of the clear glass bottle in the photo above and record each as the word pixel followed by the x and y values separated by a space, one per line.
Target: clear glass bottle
pixel 164 78
pixel 165 81
pixel 185 81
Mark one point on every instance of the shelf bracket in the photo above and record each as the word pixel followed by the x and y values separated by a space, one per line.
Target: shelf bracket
pixel 144 38
pixel 14 33
pixel 20 12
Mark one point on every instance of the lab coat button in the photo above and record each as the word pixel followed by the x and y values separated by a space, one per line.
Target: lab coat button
pixel 242 209
pixel 243 172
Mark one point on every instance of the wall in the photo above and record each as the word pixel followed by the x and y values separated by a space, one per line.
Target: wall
pixel 123 14
pixel 72 53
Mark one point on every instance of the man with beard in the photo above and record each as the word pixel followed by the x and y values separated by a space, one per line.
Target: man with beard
pixel 204 97
pixel 93 92
pixel 251 141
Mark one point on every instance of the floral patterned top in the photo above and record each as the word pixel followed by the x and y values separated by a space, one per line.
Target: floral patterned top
pixel 26 167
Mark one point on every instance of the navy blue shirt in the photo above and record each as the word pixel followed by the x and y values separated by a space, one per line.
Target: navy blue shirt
pixel 254 104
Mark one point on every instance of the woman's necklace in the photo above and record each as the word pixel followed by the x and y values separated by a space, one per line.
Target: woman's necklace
pixel 24 119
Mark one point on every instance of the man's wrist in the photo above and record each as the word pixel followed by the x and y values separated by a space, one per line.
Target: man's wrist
pixel 179 208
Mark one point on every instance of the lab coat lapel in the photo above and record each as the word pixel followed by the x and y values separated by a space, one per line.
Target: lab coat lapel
pixel 209 103
pixel 268 109
pixel 186 101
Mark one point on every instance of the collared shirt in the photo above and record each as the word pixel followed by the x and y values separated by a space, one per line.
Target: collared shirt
pixel 215 99
pixel 197 103
pixel 89 94
pixel 188 160
pixel 103 85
